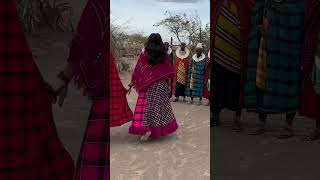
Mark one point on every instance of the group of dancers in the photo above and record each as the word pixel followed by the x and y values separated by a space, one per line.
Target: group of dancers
pixel 192 73
pixel 266 60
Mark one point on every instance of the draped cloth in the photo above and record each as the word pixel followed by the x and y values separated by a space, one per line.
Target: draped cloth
pixel 146 75
pixel 310 100
pixel 89 50
pixel 243 8
pixel 180 71
pixel 284 44
pixel 29 144
pixel 120 110
pixel 89 53
pixel 195 80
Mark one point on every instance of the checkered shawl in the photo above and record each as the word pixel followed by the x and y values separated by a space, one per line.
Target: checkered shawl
pixel 284 41
pixel 120 112
pixel 154 112
pixel 94 158
pixel 198 78
pixel 29 144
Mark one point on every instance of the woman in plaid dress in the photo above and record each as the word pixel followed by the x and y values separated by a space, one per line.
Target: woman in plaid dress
pixel 88 65
pixel 152 79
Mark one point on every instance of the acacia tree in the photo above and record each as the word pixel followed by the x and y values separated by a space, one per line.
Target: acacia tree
pixel 176 24
pixel 187 24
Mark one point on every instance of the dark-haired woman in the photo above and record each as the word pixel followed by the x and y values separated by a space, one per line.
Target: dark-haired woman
pixel 151 78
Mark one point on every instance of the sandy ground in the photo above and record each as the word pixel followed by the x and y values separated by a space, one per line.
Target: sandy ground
pixel 244 157
pixel 184 155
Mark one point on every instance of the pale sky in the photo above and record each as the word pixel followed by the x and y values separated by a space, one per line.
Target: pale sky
pixel 141 15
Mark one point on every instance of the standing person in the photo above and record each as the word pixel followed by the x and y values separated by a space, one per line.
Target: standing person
pixel 310 98
pixel 207 78
pixel 169 51
pixel 229 59
pixel 170 54
pixel 151 78
pixel 181 63
pixel 195 81
pixel 273 75
pixel 29 144
pixel 88 65
pixel 120 110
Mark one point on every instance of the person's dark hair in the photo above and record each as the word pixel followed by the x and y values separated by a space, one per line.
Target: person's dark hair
pixel 156 49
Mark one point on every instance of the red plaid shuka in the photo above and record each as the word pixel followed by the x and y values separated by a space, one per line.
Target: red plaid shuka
pixel 120 112
pixel 207 78
pixel 29 144
pixel 93 162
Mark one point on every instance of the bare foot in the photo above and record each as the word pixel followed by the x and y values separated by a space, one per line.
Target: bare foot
pixel 146 136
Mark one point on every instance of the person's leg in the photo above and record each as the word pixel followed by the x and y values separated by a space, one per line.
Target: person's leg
pixel 200 100
pixel 215 118
pixel 191 96
pixel 261 129
pixel 287 131
pixel 237 125
pixel 176 99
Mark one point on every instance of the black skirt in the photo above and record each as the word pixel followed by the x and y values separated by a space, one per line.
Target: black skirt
pixel 225 89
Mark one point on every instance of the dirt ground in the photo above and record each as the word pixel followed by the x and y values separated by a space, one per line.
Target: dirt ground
pixel 244 157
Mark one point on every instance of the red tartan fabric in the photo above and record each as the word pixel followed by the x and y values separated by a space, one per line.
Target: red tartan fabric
pixel 94 158
pixel 310 101
pixel 120 112
pixel 88 51
pixel 154 113
pixel 206 78
pixel 141 106
pixel 244 8
pixel 29 144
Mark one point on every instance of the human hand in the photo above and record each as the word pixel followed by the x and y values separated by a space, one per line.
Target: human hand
pixel 129 90
pixel 52 93
pixel 60 90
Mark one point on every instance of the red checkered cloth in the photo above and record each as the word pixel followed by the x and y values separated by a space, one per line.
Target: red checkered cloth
pixel 29 144
pixel 206 78
pixel 93 162
pixel 120 110
pixel 154 112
